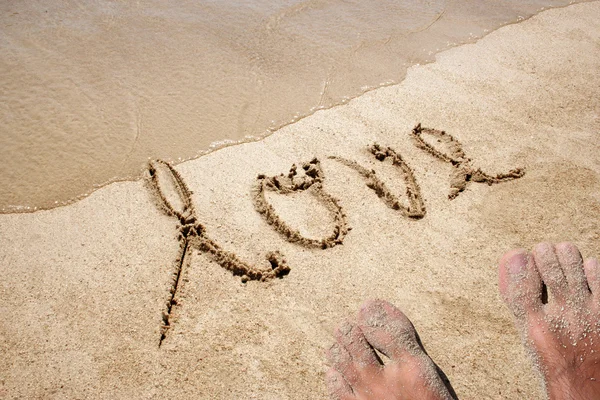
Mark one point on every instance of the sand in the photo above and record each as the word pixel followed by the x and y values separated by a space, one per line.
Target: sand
pixel 84 286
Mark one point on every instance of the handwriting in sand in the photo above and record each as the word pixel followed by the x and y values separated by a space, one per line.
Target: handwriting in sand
pixel 192 234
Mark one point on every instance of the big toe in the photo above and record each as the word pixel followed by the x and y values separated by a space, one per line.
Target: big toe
pixel 520 283
pixel 388 330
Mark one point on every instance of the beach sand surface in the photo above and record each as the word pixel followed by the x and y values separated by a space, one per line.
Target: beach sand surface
pixel 84 286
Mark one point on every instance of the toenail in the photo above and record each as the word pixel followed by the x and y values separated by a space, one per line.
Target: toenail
pixel 517 263
pixel 345 328
pixel 376 319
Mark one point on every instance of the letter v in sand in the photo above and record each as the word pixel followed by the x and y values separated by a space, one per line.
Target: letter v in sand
pixel 414 207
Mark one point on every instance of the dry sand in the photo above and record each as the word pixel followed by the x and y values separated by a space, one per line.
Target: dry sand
pixel 83 286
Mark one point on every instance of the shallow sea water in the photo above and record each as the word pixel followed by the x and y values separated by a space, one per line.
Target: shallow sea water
pixel 91 90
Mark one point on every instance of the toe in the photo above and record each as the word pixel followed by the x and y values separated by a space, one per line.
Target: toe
pixel 340 360
pixel 551 271
pixel 572 265
pixel 351 355
pixel 591 266
pixel 337 386
pixel 520 283
pixel 414 374
pixel 388 330
pixel 350 336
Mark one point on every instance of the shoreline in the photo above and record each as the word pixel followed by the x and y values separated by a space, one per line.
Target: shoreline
pixel 86 131
pixel 86 283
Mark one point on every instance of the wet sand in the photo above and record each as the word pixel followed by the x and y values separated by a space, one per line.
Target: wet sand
pixel 85 286
pixel 91 90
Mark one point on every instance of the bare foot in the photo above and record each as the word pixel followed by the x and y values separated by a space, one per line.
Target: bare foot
pixel 357 371
pixel 555 298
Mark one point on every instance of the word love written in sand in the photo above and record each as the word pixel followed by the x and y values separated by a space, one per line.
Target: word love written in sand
pixel 192 234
